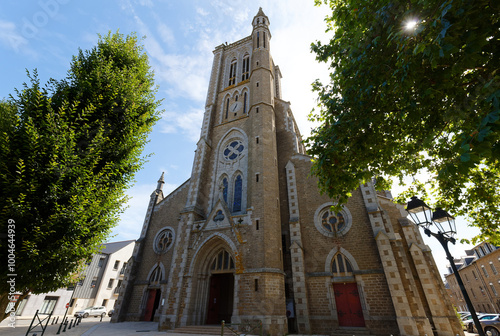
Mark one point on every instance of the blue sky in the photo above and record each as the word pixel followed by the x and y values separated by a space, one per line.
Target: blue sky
pixel 179 39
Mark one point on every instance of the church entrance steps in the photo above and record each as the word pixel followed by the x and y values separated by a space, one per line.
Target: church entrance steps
pixel 197 330
pixel 352 331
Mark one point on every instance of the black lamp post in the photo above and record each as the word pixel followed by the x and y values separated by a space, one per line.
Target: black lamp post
pixel 423 216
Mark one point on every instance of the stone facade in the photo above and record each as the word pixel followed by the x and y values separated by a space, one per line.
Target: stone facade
pixel 479 271
pixel 249 238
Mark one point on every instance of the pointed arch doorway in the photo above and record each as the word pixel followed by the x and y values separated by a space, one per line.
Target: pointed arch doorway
pixel 221 289
pixel 347 298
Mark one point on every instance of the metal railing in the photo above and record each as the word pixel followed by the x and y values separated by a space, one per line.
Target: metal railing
pixel 39 322
pixel 241 329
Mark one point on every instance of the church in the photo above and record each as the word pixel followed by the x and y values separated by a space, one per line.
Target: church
pixel 250 239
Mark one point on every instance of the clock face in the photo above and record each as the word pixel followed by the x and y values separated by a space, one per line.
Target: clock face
pixel 235 106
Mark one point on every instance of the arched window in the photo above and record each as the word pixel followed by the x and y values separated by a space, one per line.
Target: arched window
pixel 258 37
pixel 246 68
pixel 238 190
pixel 227 107
pixel 264 38
pixel 232 73
pixel 341 265
pixel 156 276
pixel 245 103
pixel 222 262
pixel 225 187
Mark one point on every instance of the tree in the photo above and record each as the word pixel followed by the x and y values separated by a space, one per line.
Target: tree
pixel 409 98
pixel 67 153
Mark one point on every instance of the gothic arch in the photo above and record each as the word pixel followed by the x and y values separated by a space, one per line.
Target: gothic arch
pixel 200 276
pixel 209 245
pixel 229 165
pixel 224 107
pixel 345 253
pixel 156 267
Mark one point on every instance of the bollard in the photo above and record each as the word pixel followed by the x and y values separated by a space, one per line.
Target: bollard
pixel 70 324
pixel 57 319
pixel 65 326
pixel 101 317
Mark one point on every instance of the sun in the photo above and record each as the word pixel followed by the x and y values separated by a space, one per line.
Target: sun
pixel 411 24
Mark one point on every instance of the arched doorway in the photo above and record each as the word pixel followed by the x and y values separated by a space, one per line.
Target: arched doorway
pixel 153 293
pixel 347 298
pixel 221 288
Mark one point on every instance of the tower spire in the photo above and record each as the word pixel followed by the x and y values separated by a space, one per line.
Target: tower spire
pixel 260 20
pixel 161 182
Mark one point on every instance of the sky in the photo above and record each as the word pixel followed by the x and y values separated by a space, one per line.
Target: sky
pixel 179 39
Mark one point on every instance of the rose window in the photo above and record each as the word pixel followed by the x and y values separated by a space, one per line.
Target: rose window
pixel 233 150
pixel 163 241
pixel 332 222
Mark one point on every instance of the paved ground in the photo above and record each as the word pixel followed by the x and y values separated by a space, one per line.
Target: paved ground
pixel 93 327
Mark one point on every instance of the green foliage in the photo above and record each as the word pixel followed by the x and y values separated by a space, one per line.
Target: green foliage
pixel 403 102
pixel 67 153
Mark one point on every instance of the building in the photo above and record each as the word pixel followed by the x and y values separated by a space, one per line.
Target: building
pixel 249 238
pixel 479 273
pixel 100 282
pixel 48 303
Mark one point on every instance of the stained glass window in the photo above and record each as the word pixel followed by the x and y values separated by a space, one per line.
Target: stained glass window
pixel 233 150
pixel 340 264
pixel 225 186
pixel 163 241
pixel 332 222
pixel 245 104
pixel 238 189
pixel 222 262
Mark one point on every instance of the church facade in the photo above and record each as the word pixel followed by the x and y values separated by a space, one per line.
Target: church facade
pixel 249 238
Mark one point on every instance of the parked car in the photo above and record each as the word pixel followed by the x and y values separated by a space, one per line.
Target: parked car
pixel 91 311
pixel 469 324
pixel 490 323
pixel 110 313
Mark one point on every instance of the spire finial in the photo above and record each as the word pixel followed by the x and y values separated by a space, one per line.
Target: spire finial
pixel 161 181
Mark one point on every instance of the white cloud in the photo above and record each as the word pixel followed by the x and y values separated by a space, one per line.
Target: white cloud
pixel 132 219
pixel 201 11
pixel 10 37
pixel 166 34
pixel 187 122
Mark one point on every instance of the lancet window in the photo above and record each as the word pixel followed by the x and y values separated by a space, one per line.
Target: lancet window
pixel 232 73
pixel 341 265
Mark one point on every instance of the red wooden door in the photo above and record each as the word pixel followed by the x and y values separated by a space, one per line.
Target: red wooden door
pixel 214 301
pixel 150 305
pixel 349 308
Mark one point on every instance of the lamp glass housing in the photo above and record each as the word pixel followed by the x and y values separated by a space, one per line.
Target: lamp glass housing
pixel 444 222
pixel 419 212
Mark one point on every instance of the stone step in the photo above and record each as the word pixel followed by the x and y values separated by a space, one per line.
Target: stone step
pixel 197 330
pixel 352 331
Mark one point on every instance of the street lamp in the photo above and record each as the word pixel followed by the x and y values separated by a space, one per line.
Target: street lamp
pixel 422 215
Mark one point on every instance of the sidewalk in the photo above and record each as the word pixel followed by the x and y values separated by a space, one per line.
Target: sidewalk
pixel 94 327
pixel 22 324
pixel 88 327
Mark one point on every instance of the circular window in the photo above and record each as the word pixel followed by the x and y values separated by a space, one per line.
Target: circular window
pixel 233 150
pixel 332 224
pixel 163 240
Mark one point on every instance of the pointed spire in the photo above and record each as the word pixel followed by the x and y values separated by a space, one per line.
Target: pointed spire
pixel 161 182
pixel 260 19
